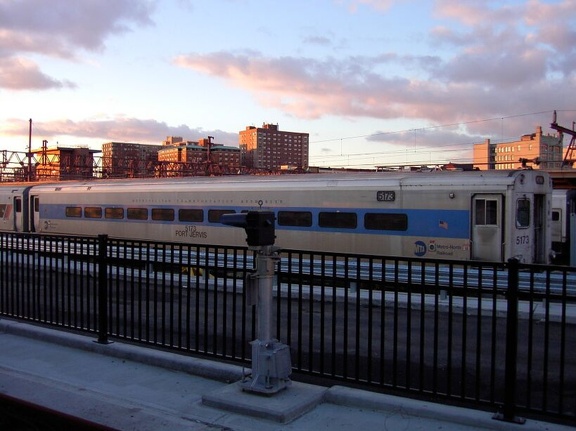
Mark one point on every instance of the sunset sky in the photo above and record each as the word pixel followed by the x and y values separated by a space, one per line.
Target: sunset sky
pixel 374 82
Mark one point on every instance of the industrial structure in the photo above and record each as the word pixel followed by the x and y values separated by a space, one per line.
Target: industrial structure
pixel 261 150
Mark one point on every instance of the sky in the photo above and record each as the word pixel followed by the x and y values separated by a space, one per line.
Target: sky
pixel 373 82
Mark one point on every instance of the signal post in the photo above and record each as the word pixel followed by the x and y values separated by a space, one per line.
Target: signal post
pixel 271 363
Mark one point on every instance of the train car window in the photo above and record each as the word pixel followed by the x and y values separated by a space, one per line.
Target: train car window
pixel 295 218
pixel 137 213
pixel 214 215
pixel 163 214
pixel 36 204
pixel 191 215
pixel 555 215
pixel 93 212
pixel 73 212
pixel 486 212
pixel 337 220
pixel 378 221
pixel 114 213
pixel 2 210
pixel 523 213
pixel 18 205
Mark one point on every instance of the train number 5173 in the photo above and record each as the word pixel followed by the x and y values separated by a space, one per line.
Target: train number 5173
pixel 522 239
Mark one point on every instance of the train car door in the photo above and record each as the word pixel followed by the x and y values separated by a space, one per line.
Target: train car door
pixel 487 228
pixel 571 226
pixel 34 212
pixel 572 238
pixel 540 252
pixel 18 218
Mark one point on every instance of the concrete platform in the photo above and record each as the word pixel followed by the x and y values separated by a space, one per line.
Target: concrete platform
pixel 128 387
pixel 284 406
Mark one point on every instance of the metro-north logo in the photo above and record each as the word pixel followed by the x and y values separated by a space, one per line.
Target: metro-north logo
pixel 419 248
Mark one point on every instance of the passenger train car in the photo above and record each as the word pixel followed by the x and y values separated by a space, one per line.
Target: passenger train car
pixel 564 226
pixel 489 215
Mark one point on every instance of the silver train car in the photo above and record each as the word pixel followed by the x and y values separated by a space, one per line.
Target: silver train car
pixel 488 216
pixel 564 227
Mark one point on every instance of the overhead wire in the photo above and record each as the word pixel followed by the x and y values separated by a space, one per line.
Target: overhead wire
pixel 460 146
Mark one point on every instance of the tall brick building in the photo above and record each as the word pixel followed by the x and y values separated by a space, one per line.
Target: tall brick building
pixel 269 148
pixel 127 159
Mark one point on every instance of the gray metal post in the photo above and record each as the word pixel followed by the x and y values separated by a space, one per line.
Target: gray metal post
pixel 265 262
pixel 271 362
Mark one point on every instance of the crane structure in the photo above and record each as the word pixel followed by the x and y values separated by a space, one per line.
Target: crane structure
pixel 569 155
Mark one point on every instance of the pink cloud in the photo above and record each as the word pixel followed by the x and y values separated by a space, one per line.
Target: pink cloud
pixel 69 25
pixel 59 28
pixel 22 74
pixel 474 13
pixel 116 129
pixel 307 88
pixel 499 60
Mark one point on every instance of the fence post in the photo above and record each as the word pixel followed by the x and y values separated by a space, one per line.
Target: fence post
pixel 508 409
pixel 103 289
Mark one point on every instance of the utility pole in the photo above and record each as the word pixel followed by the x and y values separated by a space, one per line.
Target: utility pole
pixel 29 153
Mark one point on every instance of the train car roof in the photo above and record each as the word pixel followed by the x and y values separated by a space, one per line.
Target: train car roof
pixel 297 181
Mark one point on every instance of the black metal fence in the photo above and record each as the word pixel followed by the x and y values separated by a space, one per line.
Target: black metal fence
pixel 490 335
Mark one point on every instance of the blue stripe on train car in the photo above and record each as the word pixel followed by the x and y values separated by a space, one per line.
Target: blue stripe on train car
pixel 436 223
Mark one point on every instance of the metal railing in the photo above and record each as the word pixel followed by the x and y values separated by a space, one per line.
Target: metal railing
pixel 487 335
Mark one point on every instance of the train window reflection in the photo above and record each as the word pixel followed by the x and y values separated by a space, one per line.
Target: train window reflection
pixel 2 210
pixel 522 213
pixel 339 220
pixel 73 212
pixel 486 212
pixel 93 212
pixel 114 213
pixel 378 221
pixel 191 215
pixel 214 215
pixel 163 214
pixel 295 218
pixel 137 213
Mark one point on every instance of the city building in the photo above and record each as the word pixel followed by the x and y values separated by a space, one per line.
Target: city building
pixel 129 160
pixel 268 148
pixel 536 150
pixel 63 163
pixel 180 158
pixel 174 140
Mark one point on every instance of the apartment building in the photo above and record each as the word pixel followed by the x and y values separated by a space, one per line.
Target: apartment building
pixel 128 160
pixel 268 148
pixel 536 150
